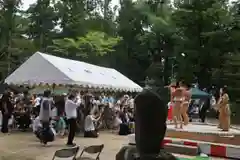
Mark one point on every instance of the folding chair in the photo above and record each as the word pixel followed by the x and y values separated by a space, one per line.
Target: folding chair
pixel 95 149
pixel 66 153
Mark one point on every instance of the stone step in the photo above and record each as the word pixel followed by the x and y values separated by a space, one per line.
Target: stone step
pixel 181 149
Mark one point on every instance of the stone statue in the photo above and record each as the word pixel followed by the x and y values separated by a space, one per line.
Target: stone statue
pixel 150 127
pixel 150 117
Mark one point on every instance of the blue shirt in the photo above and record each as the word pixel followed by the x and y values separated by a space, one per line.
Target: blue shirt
pixel 105 100
pixel 111 100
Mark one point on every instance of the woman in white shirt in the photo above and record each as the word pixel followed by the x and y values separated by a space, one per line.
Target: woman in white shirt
pixel 90 125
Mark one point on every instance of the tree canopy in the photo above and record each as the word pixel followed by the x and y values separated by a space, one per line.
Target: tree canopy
pixel 139 38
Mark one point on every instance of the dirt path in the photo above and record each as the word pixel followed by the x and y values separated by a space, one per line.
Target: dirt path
pixel 26 146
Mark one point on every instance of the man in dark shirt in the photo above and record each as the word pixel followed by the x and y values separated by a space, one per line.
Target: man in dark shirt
pixel 6 108
pixel 45 109
pixel 44 117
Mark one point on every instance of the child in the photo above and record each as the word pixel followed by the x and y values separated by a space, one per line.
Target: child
pixel 61 126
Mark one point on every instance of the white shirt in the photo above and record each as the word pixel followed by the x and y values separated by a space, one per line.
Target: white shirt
pixel 0 118
pixel 89 123
pixel 37 101
pixel 71 109
pixel 169 105
pixel 131 103
pixel 78 100
pixel 213 101
pixel 36 124
pixel 117 121
pixel 110 105
pixel 118 102
pixel 54 113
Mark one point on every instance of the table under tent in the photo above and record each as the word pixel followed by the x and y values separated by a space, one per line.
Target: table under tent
pixel 43 70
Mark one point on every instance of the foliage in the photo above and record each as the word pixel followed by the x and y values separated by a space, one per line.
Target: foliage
pixel 160 37
pixel 96 43
pixel 154 37
pixel 43 20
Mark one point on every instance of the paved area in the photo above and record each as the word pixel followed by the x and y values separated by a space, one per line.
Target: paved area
pixel 204 128
pixel 25 146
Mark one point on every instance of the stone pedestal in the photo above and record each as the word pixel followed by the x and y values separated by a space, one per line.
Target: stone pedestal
pixel 130 153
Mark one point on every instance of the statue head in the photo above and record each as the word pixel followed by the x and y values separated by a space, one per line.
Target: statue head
pixel 150 119
pixel 149 83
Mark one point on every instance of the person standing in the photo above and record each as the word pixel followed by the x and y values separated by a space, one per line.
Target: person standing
pixel 186 102
pixel 6 108
pixel 224 110
pixel 71 114
pixel 45 114
pixel 170 106
pixel 204 107
pixel 177 99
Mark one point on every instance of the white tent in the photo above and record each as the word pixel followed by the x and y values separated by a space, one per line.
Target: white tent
pixel 43 68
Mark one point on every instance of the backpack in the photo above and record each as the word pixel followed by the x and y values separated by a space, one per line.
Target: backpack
pixel 47 134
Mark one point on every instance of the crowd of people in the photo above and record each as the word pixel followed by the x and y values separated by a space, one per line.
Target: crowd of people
pixel 50 115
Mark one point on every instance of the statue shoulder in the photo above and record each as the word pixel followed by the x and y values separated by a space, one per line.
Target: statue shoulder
pixel 166 156
pixel 127 153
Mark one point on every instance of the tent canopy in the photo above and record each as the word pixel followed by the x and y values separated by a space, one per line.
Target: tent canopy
pixel 57 91
pixel 197 93
pixel 44 68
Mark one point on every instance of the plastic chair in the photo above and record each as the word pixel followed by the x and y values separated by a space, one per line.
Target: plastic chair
pixel 66 153
pixel 95 149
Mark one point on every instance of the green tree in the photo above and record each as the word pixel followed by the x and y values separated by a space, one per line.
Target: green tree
pixel 8 14
pixel 235 26
pixel 88 47
pixel 154 36
pixel 129 53
pixel 229 72
pixel 72 15
pixel 43 21
pixel 159 37
pixel 203 26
